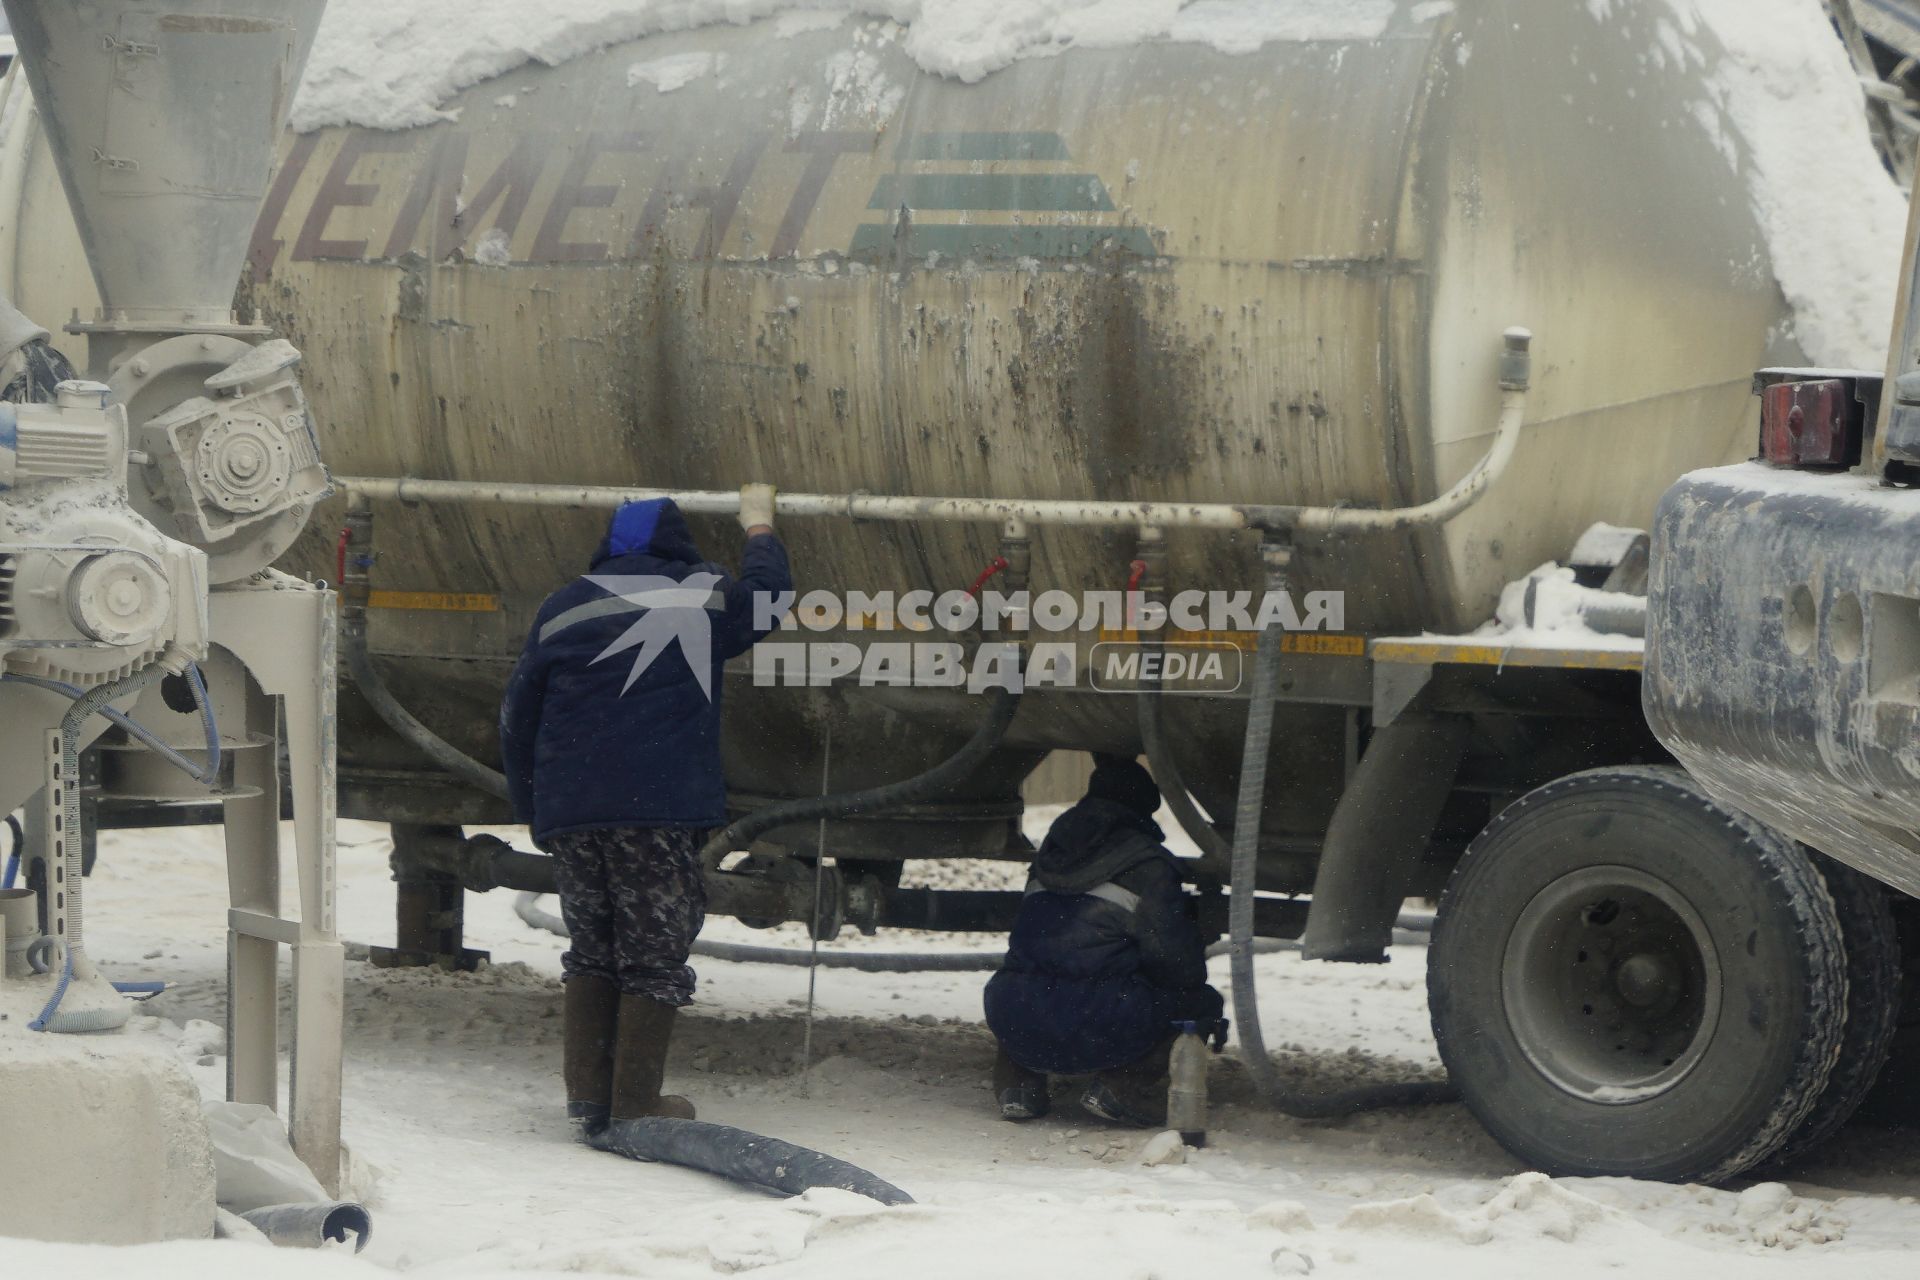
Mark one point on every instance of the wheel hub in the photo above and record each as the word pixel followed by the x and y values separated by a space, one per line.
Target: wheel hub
pixel 1648 980
pixel 1611 984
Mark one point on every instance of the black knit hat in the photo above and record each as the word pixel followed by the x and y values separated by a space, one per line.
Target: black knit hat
pixel 1124 782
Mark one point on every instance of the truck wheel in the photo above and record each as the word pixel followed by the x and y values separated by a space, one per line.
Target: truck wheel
pixel 1894 1103
pixel 1626 979
pixel 1873 1006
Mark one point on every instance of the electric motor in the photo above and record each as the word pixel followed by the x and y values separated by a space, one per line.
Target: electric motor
pixel 89 589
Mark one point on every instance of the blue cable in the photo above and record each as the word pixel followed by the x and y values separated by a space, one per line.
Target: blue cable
pixel 208 774
pixel 199 686
pixel 59 991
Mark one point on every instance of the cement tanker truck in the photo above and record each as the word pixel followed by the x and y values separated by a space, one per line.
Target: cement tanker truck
pixel 1121 322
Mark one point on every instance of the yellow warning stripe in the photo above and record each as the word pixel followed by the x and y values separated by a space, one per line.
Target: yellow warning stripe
pixel 1454 653
pixel 440 601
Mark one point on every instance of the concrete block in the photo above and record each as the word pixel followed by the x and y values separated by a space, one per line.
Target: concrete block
pixel 102 1140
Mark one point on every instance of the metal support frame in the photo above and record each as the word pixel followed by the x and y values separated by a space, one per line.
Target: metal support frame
pixel 1395 686
pixel 285 637
pixel 1889 105
pixel 1381 828
pixel 48 806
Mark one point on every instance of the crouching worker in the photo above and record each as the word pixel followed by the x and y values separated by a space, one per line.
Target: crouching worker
pixel 610 737
pixel 1104 958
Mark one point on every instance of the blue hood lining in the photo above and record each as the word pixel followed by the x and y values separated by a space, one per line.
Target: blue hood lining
pixel 651 525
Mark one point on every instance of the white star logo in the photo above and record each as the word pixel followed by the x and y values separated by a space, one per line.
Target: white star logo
pixel 668 610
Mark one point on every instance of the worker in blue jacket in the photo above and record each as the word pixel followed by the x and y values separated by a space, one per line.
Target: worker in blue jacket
pixel 1105 957
pixel 610 740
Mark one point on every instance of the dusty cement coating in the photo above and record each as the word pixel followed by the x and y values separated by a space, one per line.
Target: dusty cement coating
pixel 103 1138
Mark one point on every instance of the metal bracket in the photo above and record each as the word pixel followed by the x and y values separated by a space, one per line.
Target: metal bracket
pixel 115 162
pixel 52 806
pixel 129 48
pixel 1395 686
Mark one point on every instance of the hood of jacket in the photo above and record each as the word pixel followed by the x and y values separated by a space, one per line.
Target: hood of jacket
pixel 1093 842
pixel 653 526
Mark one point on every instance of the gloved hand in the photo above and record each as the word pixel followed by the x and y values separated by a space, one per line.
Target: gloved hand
pixel 756 506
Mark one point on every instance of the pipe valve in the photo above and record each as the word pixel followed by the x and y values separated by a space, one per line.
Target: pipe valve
pixel 1516 359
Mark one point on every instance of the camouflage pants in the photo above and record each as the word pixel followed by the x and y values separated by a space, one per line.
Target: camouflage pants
pixel 634 899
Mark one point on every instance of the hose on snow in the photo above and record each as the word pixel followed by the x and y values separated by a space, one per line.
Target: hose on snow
pixel 741 1156
pixel 309 1226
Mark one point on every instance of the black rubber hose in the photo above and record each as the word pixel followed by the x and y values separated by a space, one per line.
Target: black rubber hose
pixel 526 906
pixel 310 1226
pixel 942 777
pixel 13 856
pixel 1246 856
pixel 1246 853
pixel 43 370
pixel 857 961
pixel 948 773
pixel 373 688
pixel 356 589
pixel 741 1156
pixel 1215 853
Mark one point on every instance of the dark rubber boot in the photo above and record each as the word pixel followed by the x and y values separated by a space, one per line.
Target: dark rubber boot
pixel 1022 1094
pixel 1135 1094
pixel 640 1062
pixel 592 1012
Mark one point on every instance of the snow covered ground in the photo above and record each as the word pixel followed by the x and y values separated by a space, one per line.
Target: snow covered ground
pixel 453 1116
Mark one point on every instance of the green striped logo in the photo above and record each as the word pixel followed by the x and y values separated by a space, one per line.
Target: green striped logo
pixel 922 199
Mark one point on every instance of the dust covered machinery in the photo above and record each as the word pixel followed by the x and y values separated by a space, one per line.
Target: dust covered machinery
pixel 92 599
pixel 92 590
pixel 140 510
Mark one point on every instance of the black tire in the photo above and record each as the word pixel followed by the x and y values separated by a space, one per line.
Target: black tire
pixel 1894 1103
pixel 1873 1006
pixel 1626 979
